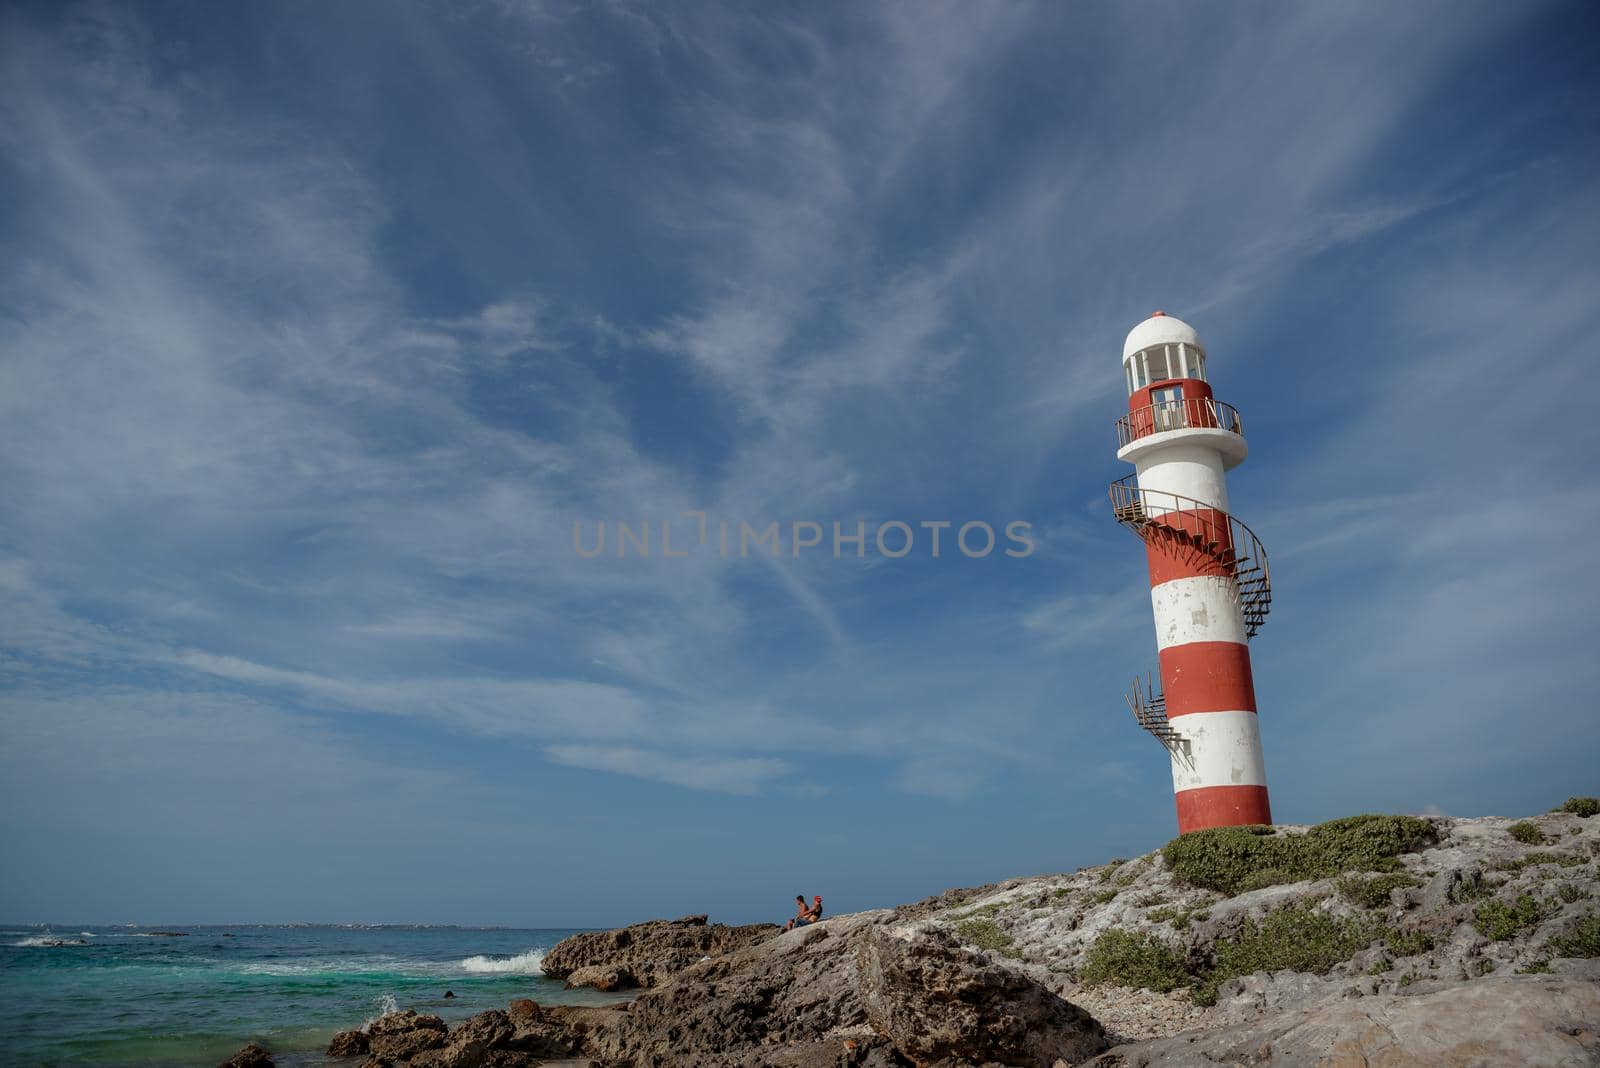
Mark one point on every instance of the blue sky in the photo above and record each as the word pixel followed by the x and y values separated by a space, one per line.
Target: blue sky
pixel 320 325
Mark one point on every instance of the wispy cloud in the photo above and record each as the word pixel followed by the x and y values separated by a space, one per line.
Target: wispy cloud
pixel 733 776
pixel 303 389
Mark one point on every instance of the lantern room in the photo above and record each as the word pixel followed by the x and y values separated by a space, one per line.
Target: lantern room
pixel 1169 398
pixel 1162 349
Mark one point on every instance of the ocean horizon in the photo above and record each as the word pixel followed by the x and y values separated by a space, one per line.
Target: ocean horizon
pixel 122 994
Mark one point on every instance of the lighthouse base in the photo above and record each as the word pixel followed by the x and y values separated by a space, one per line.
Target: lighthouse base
pixel 1221 806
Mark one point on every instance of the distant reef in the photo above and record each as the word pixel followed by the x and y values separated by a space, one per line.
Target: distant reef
pixel 1392 940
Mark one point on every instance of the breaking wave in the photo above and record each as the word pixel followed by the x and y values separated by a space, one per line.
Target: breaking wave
pixel 529 963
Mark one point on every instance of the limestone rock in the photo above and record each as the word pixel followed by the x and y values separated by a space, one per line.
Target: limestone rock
pixel 348 1044
pixel 252 1056
pixel 651 952
pixel 395 1038
pixel 854 990
pixel 471 1043
pixel 603 978
pixel 1526 1020
pixel 938 1001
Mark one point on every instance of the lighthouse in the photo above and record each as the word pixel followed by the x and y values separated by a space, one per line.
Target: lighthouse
pixel 1210 588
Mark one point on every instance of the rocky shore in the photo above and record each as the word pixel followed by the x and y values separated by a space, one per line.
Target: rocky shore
pixel 1373 940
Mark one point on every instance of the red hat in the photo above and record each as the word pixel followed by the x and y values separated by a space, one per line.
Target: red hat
pixel 817 898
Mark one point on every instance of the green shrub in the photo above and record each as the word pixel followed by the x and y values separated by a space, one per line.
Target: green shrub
pixel 1538 967
pixel 1372 892
pixel 1570 892
pixel 1581 940
pixel 1295 937
pixel 1235 859
pixel 1581 806
pixel 1485 966
pixel 1525 832
pixel 1563 860
pixel 1407 943
pixel 985 934
pixel 1128 958
pixel 1499 921
pixel 1105 895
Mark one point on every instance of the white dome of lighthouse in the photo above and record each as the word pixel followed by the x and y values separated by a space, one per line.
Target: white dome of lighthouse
pixel 1160 328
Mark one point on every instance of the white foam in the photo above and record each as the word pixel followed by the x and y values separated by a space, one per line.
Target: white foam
pixel 51 941
pixel 386 1005
pixel 529 963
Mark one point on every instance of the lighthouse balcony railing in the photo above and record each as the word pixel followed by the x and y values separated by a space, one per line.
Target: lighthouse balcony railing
pixel 1187 413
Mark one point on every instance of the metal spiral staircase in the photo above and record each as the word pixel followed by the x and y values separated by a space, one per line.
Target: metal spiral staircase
pixel 1149 708
pixel 1203 536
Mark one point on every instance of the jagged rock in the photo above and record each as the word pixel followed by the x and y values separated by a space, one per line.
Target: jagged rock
pixel 510 1058
pixel 1528 1020
pixel 603 978
pixel 395 1038
pixel 742 1007
pixel 938 1001
pixel 348 1044
pixel 470 1044
pixel 492 1028
pixel 560 1031
pixel 252 1056
pixel 652 952
pixel 1451 886
pixel 854 990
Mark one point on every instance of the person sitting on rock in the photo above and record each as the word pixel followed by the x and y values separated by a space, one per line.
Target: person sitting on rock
pixel 804 913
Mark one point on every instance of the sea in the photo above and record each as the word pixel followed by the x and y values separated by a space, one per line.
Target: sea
pixel 125 995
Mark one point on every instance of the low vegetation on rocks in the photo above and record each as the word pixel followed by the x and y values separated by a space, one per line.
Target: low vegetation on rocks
pixel 1134 958
pixel 1371 892
pixel 1233 860
pixel 1499 919
pixel 1296 937
pixel 1525 832
pixel 1581 806
pixel 1255 916
pixel 1583 940
pixel 985 934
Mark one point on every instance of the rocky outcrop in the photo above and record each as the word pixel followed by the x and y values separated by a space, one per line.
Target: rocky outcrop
pixel 399 1036
pixel 647 954
pixel 861 989
pixel 602 978
pixel 348 1044
pixel 252 1056
pixel 937 1002
pixel 1472 944
pixel 1531 1020
pixel 471 1042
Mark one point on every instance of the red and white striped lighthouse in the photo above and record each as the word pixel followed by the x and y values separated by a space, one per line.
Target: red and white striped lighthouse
pixel 1209 584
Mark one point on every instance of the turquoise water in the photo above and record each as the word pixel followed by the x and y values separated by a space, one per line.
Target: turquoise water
pixel 127 996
